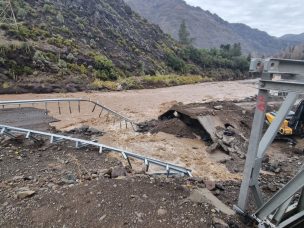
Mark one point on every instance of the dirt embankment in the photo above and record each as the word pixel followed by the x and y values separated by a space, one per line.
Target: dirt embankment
pixel 55 185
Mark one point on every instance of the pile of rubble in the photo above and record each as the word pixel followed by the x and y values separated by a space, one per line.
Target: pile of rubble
pixel 223 126
pixel 230 141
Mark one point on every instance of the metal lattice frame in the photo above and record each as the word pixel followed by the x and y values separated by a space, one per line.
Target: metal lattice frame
pixel 79 143
pixel 277 211
pixel 7 14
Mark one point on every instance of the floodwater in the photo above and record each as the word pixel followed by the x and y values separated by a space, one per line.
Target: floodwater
pixel 141 105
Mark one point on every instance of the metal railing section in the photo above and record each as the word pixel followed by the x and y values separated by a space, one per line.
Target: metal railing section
pixel 55 138
pixel 59 101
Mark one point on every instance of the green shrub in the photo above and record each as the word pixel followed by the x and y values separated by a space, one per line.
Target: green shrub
pixel 3 50
pixel 6 85
pixel 132 83
pixel 78 68
pixel 60 18
pixel 176 63
pixel 27 70
pixel 110 85
pixel 105 74
pixel 4 26
pixel 81 26
pixel 71 57
pixel 17 70
pixel 39 56
pixel 51 57
pixel 104 68
pixel 59 41
pixel 241 63
pixel 21 13
pixel 23 32
pixel 2 60
pixel 173 80
pixel 47 8
pixel 65 30
pixel 62 64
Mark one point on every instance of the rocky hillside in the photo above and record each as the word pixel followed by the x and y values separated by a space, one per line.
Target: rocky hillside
pixel 207 29
pixel 102 39
pixel 77 45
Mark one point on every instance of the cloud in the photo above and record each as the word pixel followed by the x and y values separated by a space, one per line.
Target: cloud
pixel 277 17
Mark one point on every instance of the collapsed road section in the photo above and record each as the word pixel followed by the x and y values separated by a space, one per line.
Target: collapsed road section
pixel 224 126
pixel 60 102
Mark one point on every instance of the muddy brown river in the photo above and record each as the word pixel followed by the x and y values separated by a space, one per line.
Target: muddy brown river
pixel 141 105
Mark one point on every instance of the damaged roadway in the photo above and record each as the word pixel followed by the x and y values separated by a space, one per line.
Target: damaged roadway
pixel 56 185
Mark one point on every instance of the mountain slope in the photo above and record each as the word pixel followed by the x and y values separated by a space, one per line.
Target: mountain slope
pixel 208 29
pixel 95 25
pixel 82 44
pixel 293 37
pixel 78 41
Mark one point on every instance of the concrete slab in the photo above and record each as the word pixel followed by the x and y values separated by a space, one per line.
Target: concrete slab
pixel 210 123
pixel 203 195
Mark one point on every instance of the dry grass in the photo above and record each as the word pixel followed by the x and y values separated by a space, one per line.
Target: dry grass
pixel 149 82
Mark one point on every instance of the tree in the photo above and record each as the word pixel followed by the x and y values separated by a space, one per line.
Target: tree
pixel 184 35
pixel 225 47
pixel 176 63
pixel 236 49
pixel 249 57
pixel 229 50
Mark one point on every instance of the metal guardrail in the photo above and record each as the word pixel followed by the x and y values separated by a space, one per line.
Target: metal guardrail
pixel 59 101
pixel 55 138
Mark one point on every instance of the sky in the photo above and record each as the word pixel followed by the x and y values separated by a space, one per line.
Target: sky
pixel 277 17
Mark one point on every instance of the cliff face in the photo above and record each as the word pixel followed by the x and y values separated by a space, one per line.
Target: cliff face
pixel 208 29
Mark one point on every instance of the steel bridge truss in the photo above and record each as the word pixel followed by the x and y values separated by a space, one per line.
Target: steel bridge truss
pixel 69 101
pixel 286 207
pixel 170 169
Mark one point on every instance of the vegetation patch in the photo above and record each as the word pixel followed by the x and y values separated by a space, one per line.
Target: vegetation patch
pixel 149 82
pixel 173 80
pixel 23 32
pixel 61 42
pixel 104 68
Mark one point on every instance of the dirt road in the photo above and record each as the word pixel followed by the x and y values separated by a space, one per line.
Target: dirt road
pixel 147 104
